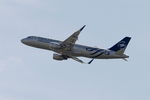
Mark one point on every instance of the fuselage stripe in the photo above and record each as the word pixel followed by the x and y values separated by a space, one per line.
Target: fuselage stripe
pixel 98 55
pixel 96 51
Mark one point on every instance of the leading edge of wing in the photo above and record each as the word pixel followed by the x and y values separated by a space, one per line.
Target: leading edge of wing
pixel 70 41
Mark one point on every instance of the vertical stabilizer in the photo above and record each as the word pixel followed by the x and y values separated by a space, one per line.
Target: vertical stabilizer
pixel 120 47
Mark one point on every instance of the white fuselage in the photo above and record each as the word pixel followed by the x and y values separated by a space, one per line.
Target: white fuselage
pixel 76 51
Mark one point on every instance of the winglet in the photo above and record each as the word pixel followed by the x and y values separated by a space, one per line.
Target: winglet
pixel 90 61
pixel 82 28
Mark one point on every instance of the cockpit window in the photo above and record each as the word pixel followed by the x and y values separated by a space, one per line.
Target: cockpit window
pixel 30 37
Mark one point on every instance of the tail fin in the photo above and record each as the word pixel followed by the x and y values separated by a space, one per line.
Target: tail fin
pixel 120 47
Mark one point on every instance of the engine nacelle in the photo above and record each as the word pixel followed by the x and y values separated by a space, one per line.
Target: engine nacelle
pixel 59 57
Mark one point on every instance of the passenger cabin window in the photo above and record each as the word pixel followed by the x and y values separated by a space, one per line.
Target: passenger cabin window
pixel 43 40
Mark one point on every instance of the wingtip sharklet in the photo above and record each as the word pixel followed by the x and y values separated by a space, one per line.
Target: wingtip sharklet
pixel 82 28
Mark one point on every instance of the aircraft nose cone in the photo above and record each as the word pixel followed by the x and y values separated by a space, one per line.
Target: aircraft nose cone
pixel 23 41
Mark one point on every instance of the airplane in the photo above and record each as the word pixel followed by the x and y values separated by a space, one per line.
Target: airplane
pixel 68 49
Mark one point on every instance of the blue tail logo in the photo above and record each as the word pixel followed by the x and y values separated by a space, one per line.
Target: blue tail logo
pixel 121 44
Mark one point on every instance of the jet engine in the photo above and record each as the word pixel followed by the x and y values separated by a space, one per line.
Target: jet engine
pixel 59 57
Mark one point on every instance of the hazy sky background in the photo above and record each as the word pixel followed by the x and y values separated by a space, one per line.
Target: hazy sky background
pixel 28 73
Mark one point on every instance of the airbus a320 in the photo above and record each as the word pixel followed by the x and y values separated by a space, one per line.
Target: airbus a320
pixel 68 49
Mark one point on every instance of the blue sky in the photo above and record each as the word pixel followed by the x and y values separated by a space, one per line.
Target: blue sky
pixel 31 74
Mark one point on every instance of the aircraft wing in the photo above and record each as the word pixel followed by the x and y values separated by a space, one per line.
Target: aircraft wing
pixel 70 41
pixel 77 59
pixel 80 61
